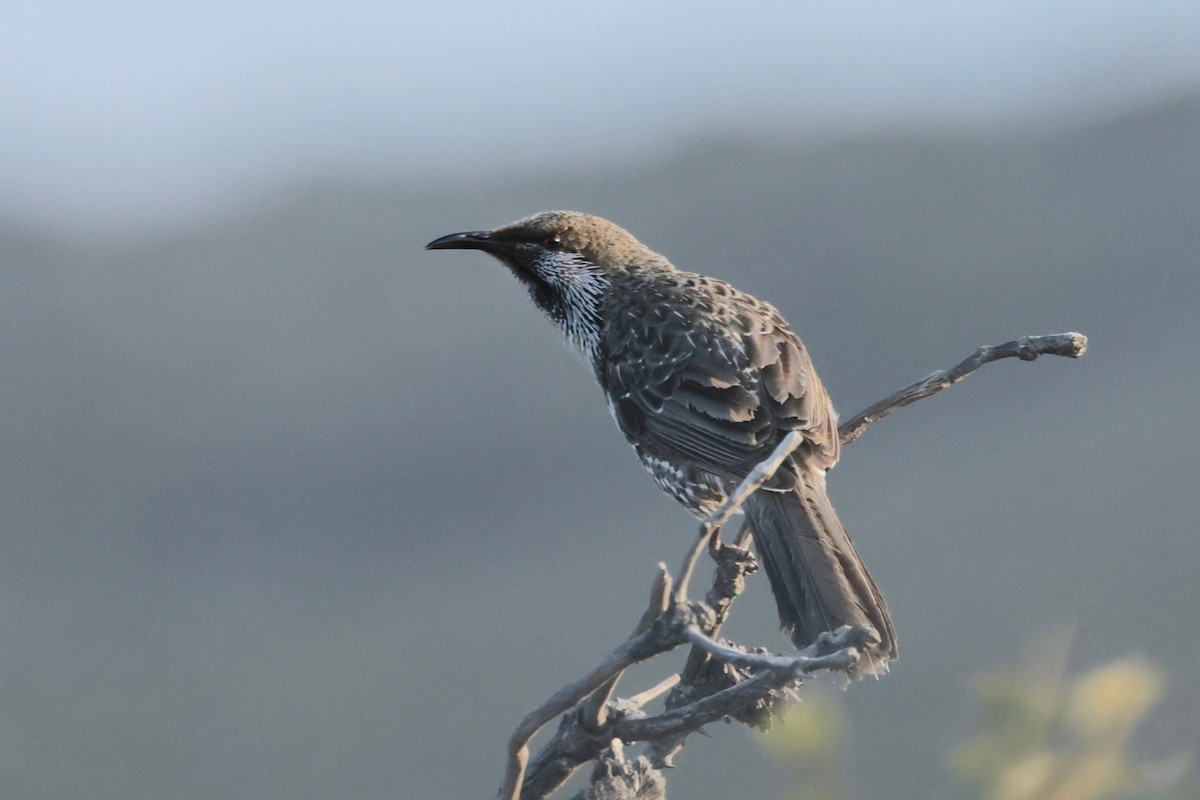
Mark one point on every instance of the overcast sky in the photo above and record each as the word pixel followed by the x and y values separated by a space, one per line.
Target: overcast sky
pixel 131 110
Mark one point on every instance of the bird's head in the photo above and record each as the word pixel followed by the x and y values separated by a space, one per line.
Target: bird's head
pixel 544 240
pixel 567 259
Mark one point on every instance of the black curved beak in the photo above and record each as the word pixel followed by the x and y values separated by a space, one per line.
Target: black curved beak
pixel 469 240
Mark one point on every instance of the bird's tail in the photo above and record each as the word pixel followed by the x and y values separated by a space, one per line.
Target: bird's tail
pixel 819 582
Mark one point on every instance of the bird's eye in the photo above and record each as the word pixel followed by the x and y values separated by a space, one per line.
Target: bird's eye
pixel 552 243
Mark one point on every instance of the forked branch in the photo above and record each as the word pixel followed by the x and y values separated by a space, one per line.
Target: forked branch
pixel 720 680
pixel 1027 348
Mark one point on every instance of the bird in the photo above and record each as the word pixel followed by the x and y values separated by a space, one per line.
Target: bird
pixel 704 381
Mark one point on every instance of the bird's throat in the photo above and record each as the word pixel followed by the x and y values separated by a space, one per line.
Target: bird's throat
pixel 571 291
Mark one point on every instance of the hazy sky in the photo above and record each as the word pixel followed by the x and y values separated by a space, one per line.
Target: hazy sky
pixel 131 110
pixel 272 488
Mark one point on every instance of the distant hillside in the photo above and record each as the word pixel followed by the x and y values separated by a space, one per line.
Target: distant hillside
pixel 275 486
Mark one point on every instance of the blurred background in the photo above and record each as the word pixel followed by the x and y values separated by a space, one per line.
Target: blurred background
pixel 290 508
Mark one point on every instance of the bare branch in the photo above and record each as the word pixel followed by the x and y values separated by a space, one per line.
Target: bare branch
pixel 719 680
pixel 714 522
pixel 752 482
pixel 1027 348
pixel 689 561
pixel 807 661
pixel 662 687
pixel 616 778
pixel 757 677
pixel 768 673
pixel 701 676
pixel 595 710
pixel 664 633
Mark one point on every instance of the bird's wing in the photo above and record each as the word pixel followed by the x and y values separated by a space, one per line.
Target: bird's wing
pixel 714 381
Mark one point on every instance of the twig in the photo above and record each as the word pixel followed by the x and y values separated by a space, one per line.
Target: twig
pixel 712 524
pixel 767 673
pixel 1027 348
pixel 692 717
pixel 594 714
pixel 662 687
pixel 848 642
pixel 752 482
pixel 654 639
